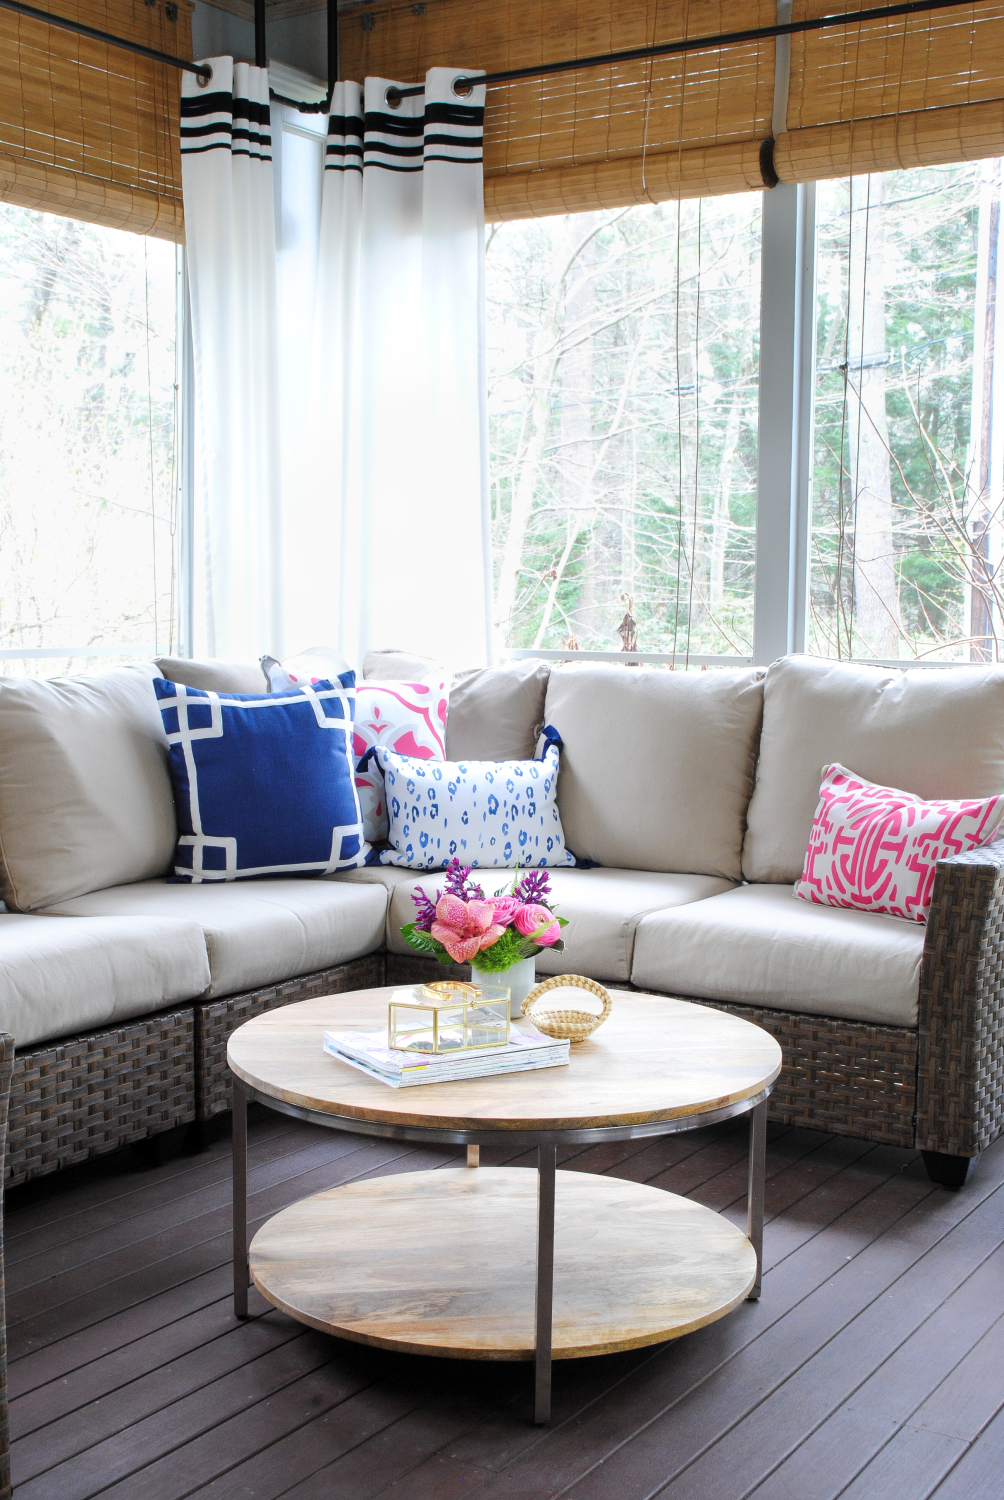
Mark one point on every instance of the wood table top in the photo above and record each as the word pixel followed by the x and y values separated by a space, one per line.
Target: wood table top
pixel 444 1262
pixel 655 1059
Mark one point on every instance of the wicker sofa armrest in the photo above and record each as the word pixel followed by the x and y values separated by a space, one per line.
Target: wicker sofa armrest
pixel 6 1069
pixel 960 1061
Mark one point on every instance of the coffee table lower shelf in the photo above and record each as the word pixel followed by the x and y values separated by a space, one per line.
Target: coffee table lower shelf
pixel 444 1263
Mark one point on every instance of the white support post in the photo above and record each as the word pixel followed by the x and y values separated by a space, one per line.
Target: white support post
pixel 184 499
pixel 787 340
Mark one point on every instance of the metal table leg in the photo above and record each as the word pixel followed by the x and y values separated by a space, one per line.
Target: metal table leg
pixel 546 1164
pixel 240 1201
pixel 754 1202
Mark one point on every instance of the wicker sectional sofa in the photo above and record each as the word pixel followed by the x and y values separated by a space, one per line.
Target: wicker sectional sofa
pixel 686 796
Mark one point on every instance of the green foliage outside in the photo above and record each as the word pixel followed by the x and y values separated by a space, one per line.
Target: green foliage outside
pixel 87 438
pixel 924 292
pixel 623 410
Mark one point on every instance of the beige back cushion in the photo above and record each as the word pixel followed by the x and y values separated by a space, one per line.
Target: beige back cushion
pixel 933 733
pixel 496 713
pixel 214 676
pixel 657 767
pixel 396 666
pixel 85 793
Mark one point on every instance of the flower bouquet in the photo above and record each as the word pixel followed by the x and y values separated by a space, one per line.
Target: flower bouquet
pixel 491 933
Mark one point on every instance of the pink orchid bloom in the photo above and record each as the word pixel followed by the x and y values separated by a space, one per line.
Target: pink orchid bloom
pixel 506 908
pixel 529 918
pixel 465 927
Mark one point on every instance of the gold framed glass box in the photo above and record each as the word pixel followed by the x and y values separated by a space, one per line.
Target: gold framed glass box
pixel 448 1016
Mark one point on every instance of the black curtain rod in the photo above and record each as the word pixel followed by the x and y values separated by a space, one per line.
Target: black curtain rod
pixel 464 85
pixel 200 70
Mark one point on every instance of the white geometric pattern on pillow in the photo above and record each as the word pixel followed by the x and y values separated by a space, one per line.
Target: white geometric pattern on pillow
pixel 486 813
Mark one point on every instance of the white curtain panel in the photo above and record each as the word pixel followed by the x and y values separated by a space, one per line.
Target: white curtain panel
pixel 398 421
pixel 226 168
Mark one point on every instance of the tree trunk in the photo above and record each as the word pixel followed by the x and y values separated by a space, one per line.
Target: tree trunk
pixel 543 364
pixel 876 596
pixel 690 610
pixel 981 623
pixel 722 519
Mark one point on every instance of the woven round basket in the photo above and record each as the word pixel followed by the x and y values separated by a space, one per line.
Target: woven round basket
pixel 559 1021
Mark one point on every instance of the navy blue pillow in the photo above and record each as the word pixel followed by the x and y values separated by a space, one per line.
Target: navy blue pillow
pixel 263 784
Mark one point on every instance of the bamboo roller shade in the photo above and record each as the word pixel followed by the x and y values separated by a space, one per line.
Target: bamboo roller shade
pixel 577 140
pixel 902 92
pixel 89 130
pixel 913 91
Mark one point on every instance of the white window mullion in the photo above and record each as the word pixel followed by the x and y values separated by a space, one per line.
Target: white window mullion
pixel 185 479
pixel 784 461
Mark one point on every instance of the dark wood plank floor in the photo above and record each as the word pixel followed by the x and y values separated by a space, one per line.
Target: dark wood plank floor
pixel 871 1369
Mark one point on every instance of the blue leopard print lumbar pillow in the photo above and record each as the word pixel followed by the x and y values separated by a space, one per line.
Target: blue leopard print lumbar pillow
pixel 487 813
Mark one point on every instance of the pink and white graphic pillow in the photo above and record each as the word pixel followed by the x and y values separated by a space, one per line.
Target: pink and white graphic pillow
pixel 406 717
pixel 875 848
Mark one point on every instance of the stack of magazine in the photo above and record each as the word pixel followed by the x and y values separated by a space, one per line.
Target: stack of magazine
pixel 368 1051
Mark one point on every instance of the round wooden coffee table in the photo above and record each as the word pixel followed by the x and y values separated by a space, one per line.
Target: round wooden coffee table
pixel 493 1264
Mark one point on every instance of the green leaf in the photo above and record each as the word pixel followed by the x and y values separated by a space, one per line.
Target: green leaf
pixel 421 941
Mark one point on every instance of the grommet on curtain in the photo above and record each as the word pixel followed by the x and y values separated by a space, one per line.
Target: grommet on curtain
pixel 392 99
pixel 466 88
pixel 204 79
pixel 768 174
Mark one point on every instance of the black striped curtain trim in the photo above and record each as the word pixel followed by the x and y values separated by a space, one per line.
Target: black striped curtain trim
pixel 233 151
pixel 236 122
pixel 401 143
pixel 217 127
pixel 345 125
pixel 205 104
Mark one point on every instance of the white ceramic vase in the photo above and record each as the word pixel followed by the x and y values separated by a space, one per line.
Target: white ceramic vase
pixel 521 979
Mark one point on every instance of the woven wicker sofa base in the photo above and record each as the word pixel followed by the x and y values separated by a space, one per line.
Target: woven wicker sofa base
pixel 846 1077
pixel 842 1076
pixel 86 1095
pixel 216 1019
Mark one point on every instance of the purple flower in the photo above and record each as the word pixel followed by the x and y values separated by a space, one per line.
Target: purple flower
pixel 534 888
pixel 457 882
pixel 426 909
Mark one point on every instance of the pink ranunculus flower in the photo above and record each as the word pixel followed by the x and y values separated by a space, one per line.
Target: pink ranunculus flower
pixel 529 918
pixel 506 908
pixel 465 927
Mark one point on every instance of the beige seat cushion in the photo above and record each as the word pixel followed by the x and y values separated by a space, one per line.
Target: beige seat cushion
pixel 933 733
pixel 496 713
pixel 85 794
pixel 657 767
pixel 602 907
pixel 761 945
pixel 214 676
pixel 59 976
pixel 257 932
pixel 388 878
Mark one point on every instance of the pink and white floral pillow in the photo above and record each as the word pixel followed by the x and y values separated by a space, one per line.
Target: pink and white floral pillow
pixel 406 717
pixel 875 848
